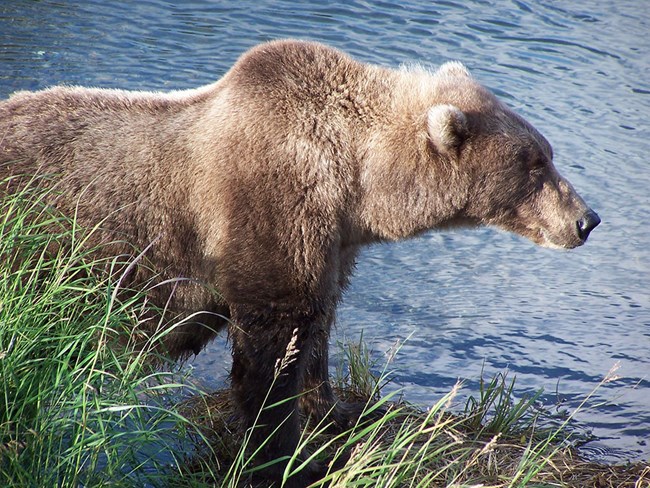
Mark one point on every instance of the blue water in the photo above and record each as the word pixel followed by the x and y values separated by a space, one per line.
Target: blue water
pixel 469 300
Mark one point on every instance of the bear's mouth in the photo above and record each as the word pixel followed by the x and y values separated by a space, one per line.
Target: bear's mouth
pixel 540 236
pixel 550 241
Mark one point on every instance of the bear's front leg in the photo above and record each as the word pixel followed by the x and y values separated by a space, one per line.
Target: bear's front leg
pixel 270 350
pixel 319 400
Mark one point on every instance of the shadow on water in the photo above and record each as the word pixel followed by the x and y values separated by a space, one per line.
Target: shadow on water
pixel 472 300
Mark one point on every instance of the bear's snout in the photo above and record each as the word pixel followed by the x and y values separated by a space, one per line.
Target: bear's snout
pixel 587 223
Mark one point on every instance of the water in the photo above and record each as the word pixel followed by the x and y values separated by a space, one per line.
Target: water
pixel 470 300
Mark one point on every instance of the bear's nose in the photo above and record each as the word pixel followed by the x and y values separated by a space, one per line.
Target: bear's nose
pixel 587 223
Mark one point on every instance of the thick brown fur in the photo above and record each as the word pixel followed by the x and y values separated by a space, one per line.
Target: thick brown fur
pixel 264 186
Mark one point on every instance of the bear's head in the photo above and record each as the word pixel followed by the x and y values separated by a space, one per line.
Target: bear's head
pixel 506 165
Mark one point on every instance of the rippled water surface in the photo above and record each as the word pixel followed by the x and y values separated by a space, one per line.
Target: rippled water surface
pixel 469 300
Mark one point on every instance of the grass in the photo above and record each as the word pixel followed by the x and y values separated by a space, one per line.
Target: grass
pixel 78 402
pixel 497 440
pixel 82 406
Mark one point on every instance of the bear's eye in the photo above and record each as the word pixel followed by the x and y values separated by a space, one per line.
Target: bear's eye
pixel 538 166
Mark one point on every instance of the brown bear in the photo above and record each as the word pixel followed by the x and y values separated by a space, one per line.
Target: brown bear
pixel 264 186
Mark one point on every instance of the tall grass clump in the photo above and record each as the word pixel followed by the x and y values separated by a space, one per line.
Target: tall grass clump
pixel 79 404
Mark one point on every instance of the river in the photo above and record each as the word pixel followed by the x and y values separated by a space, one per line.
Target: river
pixel 471 300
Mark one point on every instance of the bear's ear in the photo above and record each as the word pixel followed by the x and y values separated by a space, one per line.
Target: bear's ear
pixel 453 68
pixel 447 126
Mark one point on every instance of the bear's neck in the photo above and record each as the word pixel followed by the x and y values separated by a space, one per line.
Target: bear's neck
pixel 405 187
